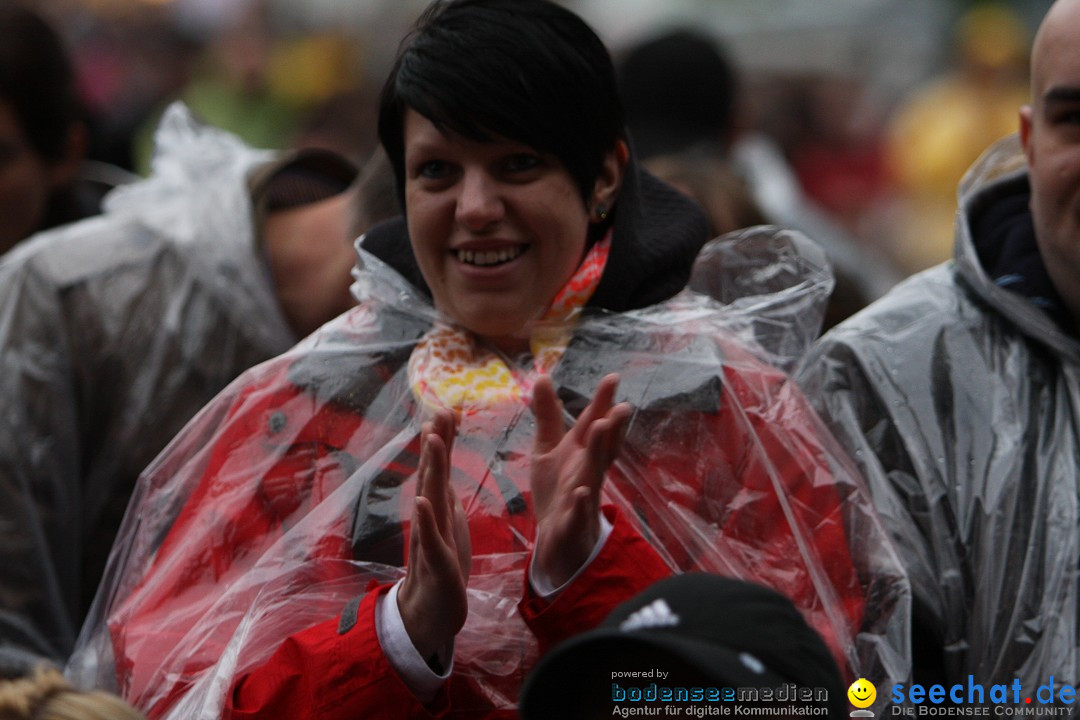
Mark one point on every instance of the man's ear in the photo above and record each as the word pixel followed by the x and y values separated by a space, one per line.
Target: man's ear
pixel 606 190
pixel 1026 120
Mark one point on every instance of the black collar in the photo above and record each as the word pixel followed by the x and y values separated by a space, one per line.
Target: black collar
pixel 1003 233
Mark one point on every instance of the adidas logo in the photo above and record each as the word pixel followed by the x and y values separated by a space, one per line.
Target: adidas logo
pixel 655 614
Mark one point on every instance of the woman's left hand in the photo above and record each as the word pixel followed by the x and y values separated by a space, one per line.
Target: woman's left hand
pixel 567 473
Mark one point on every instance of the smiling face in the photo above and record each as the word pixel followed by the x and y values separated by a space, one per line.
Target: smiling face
pixel 497 228
pixel 1050 133
pixel 862 693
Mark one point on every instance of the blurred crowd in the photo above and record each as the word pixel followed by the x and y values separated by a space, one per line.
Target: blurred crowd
pixel 861 148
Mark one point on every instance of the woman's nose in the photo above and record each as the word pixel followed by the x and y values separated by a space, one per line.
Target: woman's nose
pixel 479 203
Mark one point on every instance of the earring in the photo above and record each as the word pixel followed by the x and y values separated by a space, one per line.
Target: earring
pixel 601 212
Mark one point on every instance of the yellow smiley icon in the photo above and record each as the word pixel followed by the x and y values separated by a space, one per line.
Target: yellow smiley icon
pixel 862 693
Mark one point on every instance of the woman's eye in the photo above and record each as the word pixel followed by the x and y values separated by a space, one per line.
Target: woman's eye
pixel 521 162
pixel 434 170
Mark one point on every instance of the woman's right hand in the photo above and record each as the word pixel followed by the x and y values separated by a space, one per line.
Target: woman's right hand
pixel 432 599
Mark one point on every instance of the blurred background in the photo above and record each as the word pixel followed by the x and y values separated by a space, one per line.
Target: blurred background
pixel 868 110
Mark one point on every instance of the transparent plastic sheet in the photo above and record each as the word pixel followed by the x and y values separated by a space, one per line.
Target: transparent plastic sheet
pixel 299 482
pixel 959 401
pixel 197 196
pixel 775 284
pixel 114 332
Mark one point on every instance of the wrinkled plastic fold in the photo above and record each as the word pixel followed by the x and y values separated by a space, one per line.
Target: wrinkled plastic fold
pixel 292 492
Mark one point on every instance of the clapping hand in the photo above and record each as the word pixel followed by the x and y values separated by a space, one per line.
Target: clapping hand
pixel 432 598
pixel 567 473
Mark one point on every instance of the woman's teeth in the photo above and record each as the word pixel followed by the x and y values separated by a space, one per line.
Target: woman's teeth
pixel 489 257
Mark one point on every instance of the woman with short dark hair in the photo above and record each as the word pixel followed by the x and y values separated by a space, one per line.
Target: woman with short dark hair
pixel 521 424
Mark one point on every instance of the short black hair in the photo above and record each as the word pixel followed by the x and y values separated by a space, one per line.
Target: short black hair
pixel 37 80
pixel 526 70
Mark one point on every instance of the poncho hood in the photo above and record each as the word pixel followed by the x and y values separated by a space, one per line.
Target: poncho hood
pixel 992 200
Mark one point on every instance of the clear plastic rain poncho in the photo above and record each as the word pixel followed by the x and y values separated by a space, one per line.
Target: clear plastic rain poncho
pixel 291 493
pixel 960 401
pixel 114 332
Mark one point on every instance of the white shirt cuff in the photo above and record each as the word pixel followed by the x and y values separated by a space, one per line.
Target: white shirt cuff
pixel 542 584
pixel 403 655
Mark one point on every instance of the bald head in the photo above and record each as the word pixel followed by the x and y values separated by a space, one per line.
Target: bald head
pixel 1056 40
pixel 1050 134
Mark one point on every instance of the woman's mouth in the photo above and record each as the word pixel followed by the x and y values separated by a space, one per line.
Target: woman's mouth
pixel 488 258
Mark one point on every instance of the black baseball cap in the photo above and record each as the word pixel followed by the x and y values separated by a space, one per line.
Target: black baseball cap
pixel 693 631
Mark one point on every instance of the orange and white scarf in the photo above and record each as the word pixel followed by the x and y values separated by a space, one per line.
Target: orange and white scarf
pixel 451 368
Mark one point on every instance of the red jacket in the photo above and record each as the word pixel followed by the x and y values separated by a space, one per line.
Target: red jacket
pixel 300 505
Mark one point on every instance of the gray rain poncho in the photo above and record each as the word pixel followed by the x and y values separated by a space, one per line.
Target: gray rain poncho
pixel 960 401
pixel 251 540
pixel 114 331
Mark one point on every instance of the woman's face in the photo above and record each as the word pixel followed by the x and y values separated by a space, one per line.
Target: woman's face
pixel 496 227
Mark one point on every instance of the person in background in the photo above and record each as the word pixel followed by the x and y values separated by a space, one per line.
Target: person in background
pixel 680 94
pixel 42 136
pixel 715 186
pixel 943 126
pixel 683 109
pixel 524 421
pixel 46 695
pixel 117 329
pixel 957 395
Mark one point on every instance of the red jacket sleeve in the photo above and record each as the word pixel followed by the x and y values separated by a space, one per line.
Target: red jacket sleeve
pixel 336 669
pixel 625 566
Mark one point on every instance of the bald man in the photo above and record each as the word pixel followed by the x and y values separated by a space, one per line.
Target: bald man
pixel 958 394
